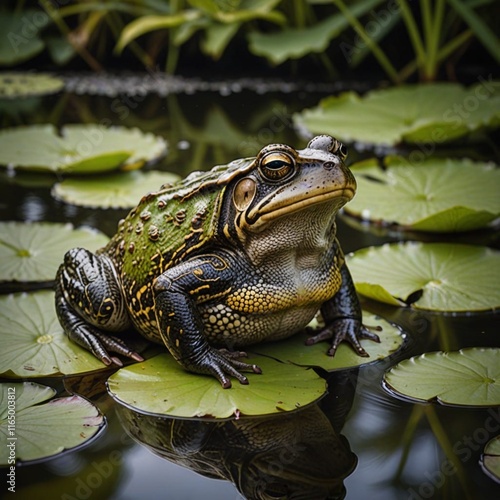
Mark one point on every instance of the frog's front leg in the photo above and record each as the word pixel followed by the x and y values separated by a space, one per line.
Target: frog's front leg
pixel 88 301
pixel 343 319
pixel 178 292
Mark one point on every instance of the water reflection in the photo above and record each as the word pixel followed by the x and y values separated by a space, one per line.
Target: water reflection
pixel 297 455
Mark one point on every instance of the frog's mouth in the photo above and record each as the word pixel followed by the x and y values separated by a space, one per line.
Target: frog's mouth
pixel 272 208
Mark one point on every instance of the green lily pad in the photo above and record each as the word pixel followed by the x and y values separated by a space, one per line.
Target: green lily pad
pixel 490 461
pixel 34 343
pixel 430 113
pixel 161 386
pixel 33 430
pixel 435 195
pixel 15 85
pixel 20 35
pixel 33 251
pixel 79 149
pixel 293 349
pixel 469 377
pixel 123 190
pixel 433 276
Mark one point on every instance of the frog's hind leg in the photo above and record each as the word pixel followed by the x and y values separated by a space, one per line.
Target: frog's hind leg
pixel 88 301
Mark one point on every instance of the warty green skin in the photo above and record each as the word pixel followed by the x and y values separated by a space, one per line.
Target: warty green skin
pixel 244 253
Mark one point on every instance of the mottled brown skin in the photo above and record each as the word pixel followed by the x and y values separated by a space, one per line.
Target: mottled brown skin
pixel 241 254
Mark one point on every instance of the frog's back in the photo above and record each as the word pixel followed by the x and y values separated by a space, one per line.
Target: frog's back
pixel 165 228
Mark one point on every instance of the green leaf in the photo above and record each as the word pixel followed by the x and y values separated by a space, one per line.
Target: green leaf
pixel 450 277
pixel 293 349
pixel 123 190
pixel 161 386
pixel 469 377
pixel 20 35
pixel 43 430
pixel 15 85
pixel 33 251
pixel 80 149
pixel 34 343
pixel 147 24
pixel 217 38
pixel 430 113
pixel 294 43
pixel 434 195
pixel 490 460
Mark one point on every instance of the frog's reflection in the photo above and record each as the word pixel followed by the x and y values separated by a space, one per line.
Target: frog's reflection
pixel 297 455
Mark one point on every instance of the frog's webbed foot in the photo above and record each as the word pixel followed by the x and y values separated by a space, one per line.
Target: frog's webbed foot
pixel 348 329
pixel 223 364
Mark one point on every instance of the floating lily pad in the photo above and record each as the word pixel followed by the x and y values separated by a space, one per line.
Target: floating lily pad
pixel 434 276
pixel 469 377
pixel 34 343
pixel 430 113
pixel 490 461
pixel 435 195
pixel 293 349
pixel 123 190
pixel 15 85
pixel 33 251
pixel 79 149
pixel 43 430
pixel 160 385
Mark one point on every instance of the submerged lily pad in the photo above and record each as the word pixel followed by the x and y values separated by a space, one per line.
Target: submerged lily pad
pixel 435 195
pixel 160 385
pixel 411 113
pixel 469 377
pixel 34 343
pixel 43 430
pixel 32 251
pixel 15 85
pixel 123 190
pixel 490 460
pixel 293 349
pixel 434 276
pixel 79 149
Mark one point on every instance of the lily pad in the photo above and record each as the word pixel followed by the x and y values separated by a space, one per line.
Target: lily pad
pixel 123 190
pixel 34 343
pixel 435 195
pixel 15 85
pixel 161 386
pixel 32 251
pixel 469 377
pixel 490 460
pixel 430 113
pixel 433 276
pixel 33 430
pixel 293 349
pixel 79 149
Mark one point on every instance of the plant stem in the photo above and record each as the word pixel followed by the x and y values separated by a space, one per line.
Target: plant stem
pixel 413 32
pixel 446 446
pixel 370 43
pixel 453 45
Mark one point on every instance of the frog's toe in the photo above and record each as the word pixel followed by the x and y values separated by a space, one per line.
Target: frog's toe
pixel 104 343
pixel 222 365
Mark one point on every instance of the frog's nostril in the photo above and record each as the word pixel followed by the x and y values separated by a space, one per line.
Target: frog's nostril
pixel 328 165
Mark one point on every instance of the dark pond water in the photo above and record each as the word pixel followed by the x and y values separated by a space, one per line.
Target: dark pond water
pixel 398 450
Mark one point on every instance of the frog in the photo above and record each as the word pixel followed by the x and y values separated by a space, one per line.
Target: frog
pixel 223 259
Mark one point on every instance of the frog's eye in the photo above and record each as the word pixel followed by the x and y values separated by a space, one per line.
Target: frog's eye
pixel 276 166
pixel 340 149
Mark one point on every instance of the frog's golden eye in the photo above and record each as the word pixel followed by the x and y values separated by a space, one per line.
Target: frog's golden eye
pixel 276 166
pixel 340 149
